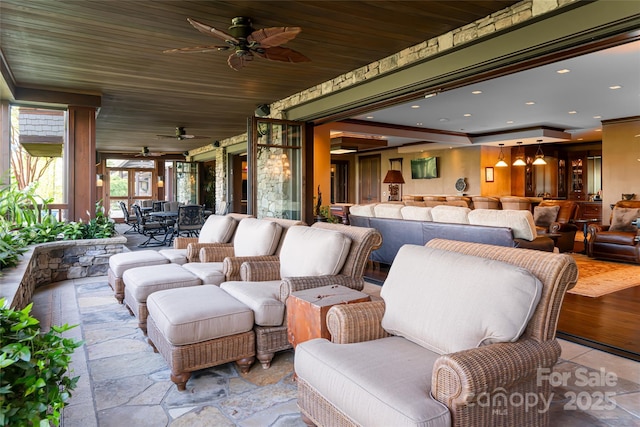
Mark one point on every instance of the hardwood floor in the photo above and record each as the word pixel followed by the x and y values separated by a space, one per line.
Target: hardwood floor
pixel 609 323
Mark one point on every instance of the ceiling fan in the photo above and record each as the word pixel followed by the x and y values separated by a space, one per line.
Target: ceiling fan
pixel 181 134
pixel 247 42
pixel 145 152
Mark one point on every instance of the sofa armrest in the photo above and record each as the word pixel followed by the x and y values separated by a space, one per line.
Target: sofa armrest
pixel 461 379
pixel 183 242
pixel 260 271
pixel 209 252
pixel 293 284
pixel 351 323
pixel 560 227
pixel 231 265
pixel 596 228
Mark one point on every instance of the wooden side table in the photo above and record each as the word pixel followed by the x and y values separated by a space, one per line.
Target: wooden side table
pixel 307 310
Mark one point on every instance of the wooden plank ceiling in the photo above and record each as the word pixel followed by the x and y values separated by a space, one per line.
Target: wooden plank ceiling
pixel 114 49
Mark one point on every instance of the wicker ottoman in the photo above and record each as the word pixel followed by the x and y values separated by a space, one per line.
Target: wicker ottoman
pixel 199 327
pixel 119 263
pixel 141 282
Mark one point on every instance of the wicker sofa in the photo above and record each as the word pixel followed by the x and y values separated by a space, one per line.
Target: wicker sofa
pixel 441 358
pixel 399 225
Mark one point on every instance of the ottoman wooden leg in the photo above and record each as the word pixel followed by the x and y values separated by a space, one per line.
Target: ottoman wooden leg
pixel 265 359
pixel 180 379
pixel 245 364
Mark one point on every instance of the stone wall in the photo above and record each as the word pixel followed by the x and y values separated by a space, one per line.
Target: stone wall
pixel 55 261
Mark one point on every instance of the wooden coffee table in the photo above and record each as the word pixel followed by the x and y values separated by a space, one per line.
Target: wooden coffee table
pixel 307 310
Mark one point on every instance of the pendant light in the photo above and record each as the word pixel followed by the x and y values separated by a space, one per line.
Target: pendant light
pixel 519 158
pixel 501 163
pixel 539 155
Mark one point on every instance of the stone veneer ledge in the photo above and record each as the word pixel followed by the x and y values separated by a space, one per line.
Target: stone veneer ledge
pixel 56 261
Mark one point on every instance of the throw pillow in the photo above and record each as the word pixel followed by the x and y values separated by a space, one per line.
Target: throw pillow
pixel 309 251
pixel 621 219
pixel 543 216
pixel 448 301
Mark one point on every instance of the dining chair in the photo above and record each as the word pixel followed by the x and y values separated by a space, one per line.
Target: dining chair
pixel 131 222
pixel 189 221
pixel 149 228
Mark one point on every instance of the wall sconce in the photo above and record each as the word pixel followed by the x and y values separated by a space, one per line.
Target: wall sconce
pixel 160 181
pixel 539 155
pixel 520 156
pixel 501 163
pixel 99 180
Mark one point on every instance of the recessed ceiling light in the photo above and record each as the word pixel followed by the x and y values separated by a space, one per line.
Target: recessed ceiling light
pixel 467 115
pixel 563 71
pixel 509 122
pixel 615 87
pixel 530 103
pixel 419 124
pixel 476 92
pixel 598 130
pixel 597 117
pixel 415 106
pixel 580 139
pixel 369 117
pixel 573 112
pixel 442 120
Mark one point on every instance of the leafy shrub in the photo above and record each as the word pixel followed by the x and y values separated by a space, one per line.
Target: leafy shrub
pixel 34 385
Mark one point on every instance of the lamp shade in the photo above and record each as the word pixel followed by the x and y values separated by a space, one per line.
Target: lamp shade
pixel 393 177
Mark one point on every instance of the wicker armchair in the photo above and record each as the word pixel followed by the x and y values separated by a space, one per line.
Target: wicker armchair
pixel 223 256
pixel 273 338
pixel 457 380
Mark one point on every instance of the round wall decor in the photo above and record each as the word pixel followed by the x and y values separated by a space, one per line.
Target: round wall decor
pixel 461 185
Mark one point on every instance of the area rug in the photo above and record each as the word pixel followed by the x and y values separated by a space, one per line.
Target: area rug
pixel 597 278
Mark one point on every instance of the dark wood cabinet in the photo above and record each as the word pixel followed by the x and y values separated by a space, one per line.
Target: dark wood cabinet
pixel 577 175
pixel 590 210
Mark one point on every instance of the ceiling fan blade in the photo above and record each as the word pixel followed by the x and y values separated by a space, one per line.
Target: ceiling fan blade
pixel 194 137
pixel 237 62
pixel 196 49
pixel 283 54
pixel 274 36
pixel 206 29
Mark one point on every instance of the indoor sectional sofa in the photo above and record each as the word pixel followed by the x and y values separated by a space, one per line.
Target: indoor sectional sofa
pixel 399 224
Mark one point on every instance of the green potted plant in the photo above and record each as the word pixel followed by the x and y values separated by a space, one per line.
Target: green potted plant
pixel 34 380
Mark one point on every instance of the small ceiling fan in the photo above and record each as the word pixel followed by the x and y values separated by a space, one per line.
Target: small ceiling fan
pixel 145 152
pixel 247 42
pixel 181 134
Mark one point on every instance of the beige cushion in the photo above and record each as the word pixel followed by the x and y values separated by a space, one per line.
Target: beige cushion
pixel 256 237
pixel 543 216
pixel 211 273
pixel 362 210
pixel 119 263
pixel 261 297
pixel 175 256
pixel 448 302
pixel 621 219
pixel 394 393
pixel 308 251
pixel 388 210
pixel 416 213
pixel 520 221
pixel 452 214
pixel 197 314
pixel 217 229
pixel 143 281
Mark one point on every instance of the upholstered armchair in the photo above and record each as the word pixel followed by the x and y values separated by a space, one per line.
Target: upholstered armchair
pixel 554 216
pixel 310 257
pixel 620 240
pixel 438 342
pixel 217 229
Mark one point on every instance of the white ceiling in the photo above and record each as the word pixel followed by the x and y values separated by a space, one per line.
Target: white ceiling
pixel 567 107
